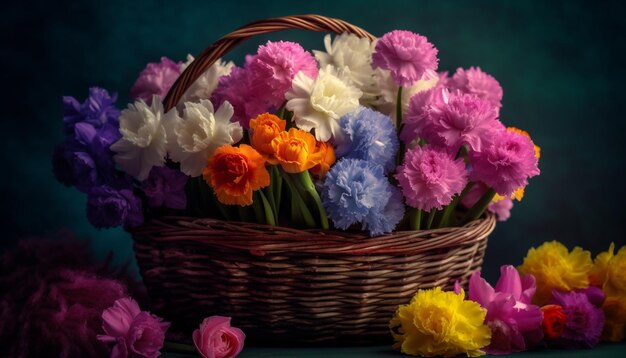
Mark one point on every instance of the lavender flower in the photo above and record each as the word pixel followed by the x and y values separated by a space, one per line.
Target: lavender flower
pixel 113 205
pixel 165 187
pixel 584 320
pixel 357 191
pixel 155 79
pixel 369 135
pixel 98 110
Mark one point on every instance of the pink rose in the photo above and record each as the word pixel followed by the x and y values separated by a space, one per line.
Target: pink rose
pixel 135 333
pixel 215 338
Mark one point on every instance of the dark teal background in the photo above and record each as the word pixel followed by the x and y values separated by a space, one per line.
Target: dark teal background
pixel 561 65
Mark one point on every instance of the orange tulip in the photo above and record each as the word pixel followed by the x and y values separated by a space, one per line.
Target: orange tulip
pixel 296 151
pixel 235 172
pixel 327 159
pixel 265 127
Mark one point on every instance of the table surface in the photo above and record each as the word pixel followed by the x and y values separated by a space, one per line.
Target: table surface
pixel 605 350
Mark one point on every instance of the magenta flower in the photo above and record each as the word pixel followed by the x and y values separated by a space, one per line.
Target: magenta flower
pixel 506 163
pixel 585 320
pixel 408 56
pixel 135 333
pixel 515 323
pixel 165 187
pixel 459 119
pixel 475 81
pixel 430 178
pixel 417 112
pixel 215 338
pixel 277 63
pixel 156 78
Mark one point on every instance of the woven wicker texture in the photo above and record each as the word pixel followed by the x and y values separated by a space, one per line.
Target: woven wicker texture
pixel 286 285
pixel 294 285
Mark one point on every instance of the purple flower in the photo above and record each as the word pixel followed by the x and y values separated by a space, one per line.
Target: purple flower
pixel 85 159
pixel 585 321
pixel 114 205
pixel 475 81
pixel 165 187
pixel 277 63
pixel 430 178
pixel 135 333
pixel 515 323
pixel 459 119
pixel 368 135
pixel 97 110
pixel 506 163
pixel 357 191
pixel 155 79
pixel 408 56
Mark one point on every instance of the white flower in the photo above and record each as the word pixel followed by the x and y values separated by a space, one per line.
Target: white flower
pixel 388 88
pixel 318 104
pixel 204 86
pixel 353 55
pixel 193 138
pixel 144 139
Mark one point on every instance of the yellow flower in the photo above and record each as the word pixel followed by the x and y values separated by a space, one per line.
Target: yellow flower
pixel 609 272
pixel 555 267
pixel 438 323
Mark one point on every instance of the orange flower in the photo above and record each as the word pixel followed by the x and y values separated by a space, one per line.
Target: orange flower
pixel 327 159
pixel 235 172
pixel 296 151
pixel 265 127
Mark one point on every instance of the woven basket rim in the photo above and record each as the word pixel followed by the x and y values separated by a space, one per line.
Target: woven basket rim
pixel 262 239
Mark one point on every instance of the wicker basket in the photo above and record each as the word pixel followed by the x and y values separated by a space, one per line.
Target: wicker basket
pixel 294 286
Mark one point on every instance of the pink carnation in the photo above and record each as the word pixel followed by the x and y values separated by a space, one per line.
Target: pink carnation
pixel 408 56
pixel 514 322
pixel 429 178
pixel 459 119
pixel 416 115
pixel 134 332
pixel 479 83
pixel 506 163
pixel 277 63
pixel 156 78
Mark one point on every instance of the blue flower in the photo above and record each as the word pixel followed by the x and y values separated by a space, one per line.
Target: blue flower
pixel 381 222
pixel 98 109
pixel 369 135
pixel 357 191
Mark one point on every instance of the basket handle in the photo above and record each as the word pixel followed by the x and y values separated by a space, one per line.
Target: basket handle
pixel 226 43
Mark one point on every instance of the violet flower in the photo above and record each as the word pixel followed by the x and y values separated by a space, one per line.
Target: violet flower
pixel 515 323
pixel 98 109
pixel 585 320
pixel 165 187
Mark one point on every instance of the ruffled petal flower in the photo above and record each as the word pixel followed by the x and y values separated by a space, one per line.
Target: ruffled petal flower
pixel 555 267
pixel 204 86
pixel 319 103
pixel 165 187
pixel 144 140
pixel 353 55
pixel 584 323
pixel 155 80
pixel 408 56
pixel 368 135
pixel 438 323
pixel 475 81
pixel 200 131
pixel 98 110
pixel 430 178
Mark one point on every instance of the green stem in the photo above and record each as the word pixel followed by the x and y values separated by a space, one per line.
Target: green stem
pixel 307 184
pixel 479 208
pixel 298 209
pixel 277 188
pixel 280 113
pixel 244 214
pixel 399 125
pixel 178 347
pixel 267 208
pixel 257 206
pixel 416 219
pixel 431 217
pixel 447 212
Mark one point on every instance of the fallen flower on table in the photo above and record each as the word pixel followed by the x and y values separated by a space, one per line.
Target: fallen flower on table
pixel 438 323
pixel 216 338
pixel 135 333
pixel 585 319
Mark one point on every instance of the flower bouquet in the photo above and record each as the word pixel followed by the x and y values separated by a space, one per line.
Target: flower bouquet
pixel 304 194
